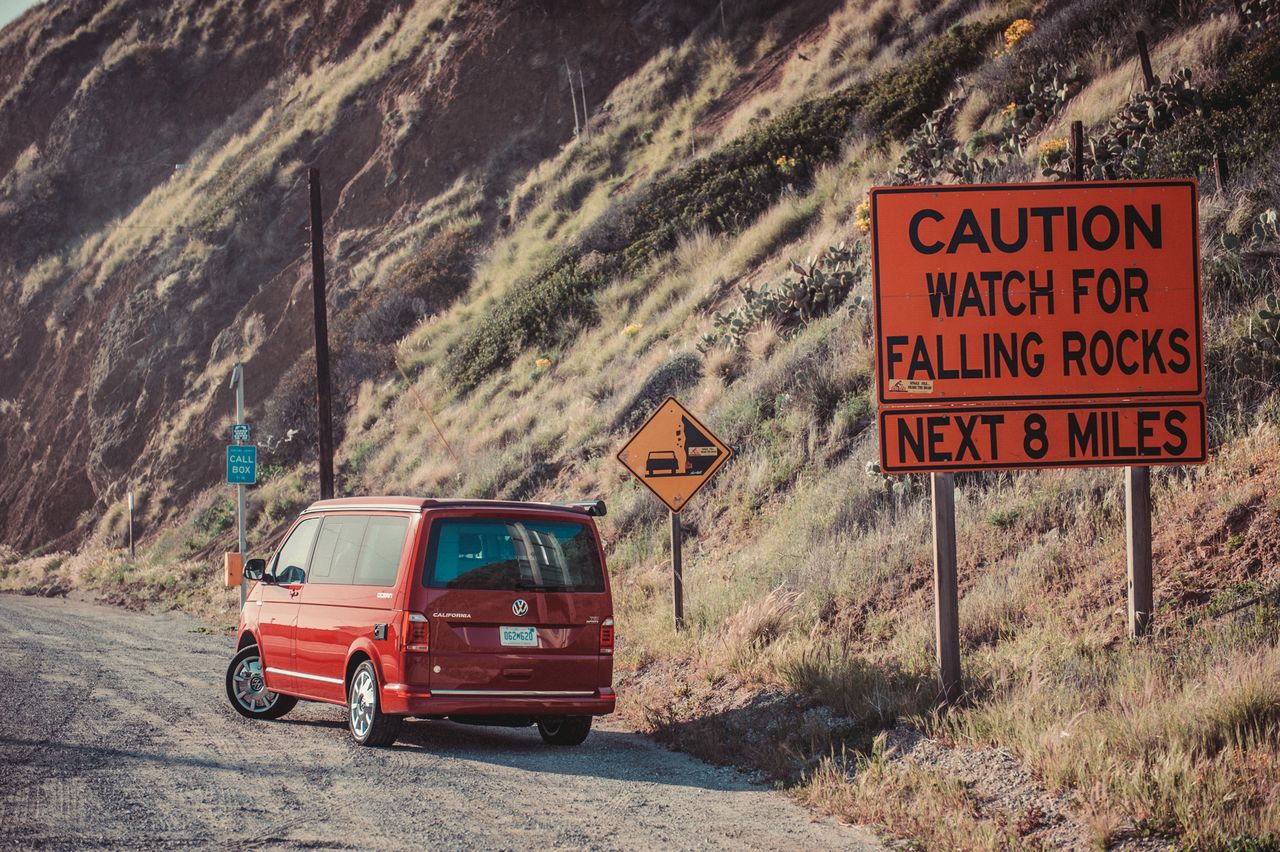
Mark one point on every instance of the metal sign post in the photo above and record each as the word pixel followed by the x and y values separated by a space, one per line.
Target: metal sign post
pixel 945 584
pixel 677 570
pixel 237 381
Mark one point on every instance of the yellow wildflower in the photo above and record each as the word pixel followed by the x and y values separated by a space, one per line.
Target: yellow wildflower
pixel 542 363
pixel 1053 149
pixel 1010 111
pixel 1016 32
pixel 632 330
pixel 862 215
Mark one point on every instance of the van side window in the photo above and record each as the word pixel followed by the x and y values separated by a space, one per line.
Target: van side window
pixel 338 548
pixel 380 555
pixel 291 563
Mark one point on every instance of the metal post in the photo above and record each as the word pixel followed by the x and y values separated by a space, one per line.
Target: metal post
pixel 945 586
pixel 573 99
pixel 582 90
pixel 237 379
pixel 130 525
pixel 677 570
pixel 1077 150
pixel 322 339
pixel 1137 510
pixel 1145 58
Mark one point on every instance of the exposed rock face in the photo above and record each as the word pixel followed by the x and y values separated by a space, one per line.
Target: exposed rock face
pixel 154 202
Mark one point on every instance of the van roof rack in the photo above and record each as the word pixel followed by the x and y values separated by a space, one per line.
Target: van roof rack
pixel 592 508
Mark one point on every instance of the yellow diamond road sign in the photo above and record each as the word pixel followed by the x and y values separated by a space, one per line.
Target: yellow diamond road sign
pixel 673 454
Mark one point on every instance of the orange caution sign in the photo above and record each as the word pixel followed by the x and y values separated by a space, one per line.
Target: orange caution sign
pixel 918 440
pixel 1038 325
pixel 673 454
pixel 1037 292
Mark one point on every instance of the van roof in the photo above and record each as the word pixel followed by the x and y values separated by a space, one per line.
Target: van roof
pixel 594 508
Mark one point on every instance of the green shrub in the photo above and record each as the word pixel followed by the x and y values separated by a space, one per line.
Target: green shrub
pixel 1241 113
pixel 538 312
pixel 727 190
pixel 899 100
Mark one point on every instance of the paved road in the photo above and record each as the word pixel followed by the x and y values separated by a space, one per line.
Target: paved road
pixel 116 732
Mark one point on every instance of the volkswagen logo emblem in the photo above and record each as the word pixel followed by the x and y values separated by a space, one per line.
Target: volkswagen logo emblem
pixel 520 607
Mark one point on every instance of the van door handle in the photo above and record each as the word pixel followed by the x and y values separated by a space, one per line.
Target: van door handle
pixel 517 674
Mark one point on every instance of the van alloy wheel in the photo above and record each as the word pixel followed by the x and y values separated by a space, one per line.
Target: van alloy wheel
pixel 362 703
pixel 368 724
pixel 247 688
pixel 250 687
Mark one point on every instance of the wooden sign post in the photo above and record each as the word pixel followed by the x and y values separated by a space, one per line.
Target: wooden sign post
pixel 1037 325
pixel 674 455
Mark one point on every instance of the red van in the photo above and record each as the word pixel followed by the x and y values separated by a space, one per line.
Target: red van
pixel 479 611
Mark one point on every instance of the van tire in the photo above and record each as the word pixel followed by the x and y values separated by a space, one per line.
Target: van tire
pixel 570 731
pixel 369 726
pixel 246 689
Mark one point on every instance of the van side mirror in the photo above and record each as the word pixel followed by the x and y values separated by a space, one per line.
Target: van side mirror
pixel 255 569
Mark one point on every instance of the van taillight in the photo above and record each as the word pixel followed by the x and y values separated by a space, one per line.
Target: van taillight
pixel 606 636
pixel 415 631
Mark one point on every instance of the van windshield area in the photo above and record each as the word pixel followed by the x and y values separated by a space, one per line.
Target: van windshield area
pixel 548 556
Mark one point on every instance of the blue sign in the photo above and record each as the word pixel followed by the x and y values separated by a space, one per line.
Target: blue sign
pixel 242 465
pixel 240 433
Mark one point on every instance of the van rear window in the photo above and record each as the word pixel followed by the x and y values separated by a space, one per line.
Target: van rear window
pixel 513 555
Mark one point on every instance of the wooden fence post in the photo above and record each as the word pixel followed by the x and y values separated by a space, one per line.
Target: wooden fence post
pixel 1077 150
pixel 1145 58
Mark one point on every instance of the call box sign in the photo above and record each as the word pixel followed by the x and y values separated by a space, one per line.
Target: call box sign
pixel 1036 292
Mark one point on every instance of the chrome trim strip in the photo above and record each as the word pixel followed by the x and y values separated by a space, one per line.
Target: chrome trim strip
pixel 305 676
pixel 537 693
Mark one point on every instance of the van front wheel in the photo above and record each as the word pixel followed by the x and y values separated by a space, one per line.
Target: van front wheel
pixel 369 725
pixel 248 690
pixel 569 731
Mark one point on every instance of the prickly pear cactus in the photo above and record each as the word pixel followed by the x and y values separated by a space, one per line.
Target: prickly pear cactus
pixel 813 289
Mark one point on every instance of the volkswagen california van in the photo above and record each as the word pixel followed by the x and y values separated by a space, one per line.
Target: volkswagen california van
pixel 478 611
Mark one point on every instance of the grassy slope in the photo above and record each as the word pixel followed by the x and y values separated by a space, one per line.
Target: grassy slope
pixel 807 580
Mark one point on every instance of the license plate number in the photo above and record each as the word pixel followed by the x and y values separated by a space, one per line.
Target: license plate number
pixel 523 637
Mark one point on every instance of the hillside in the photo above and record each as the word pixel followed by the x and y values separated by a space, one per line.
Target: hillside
pixel 544 290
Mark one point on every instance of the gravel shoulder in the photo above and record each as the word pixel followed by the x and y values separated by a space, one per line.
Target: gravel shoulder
pixel 118 733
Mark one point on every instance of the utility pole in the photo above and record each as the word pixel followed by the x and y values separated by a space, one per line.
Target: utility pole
pixel 237 382
pixel 130 525
pixel 324 408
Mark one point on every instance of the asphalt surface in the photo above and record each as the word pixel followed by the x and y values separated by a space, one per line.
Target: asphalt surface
pixel 116 732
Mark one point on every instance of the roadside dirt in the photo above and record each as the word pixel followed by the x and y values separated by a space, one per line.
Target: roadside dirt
pixel 118 734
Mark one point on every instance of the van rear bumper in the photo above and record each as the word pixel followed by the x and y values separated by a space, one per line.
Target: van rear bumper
pixel 403 700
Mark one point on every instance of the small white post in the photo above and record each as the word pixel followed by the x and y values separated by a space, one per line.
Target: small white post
pixel 130 525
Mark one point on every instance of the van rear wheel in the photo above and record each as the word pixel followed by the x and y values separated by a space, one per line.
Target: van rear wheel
pixel 248 691
pixel 368 724
pixel 570 731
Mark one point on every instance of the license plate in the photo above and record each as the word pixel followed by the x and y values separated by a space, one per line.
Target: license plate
pixel 523 637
